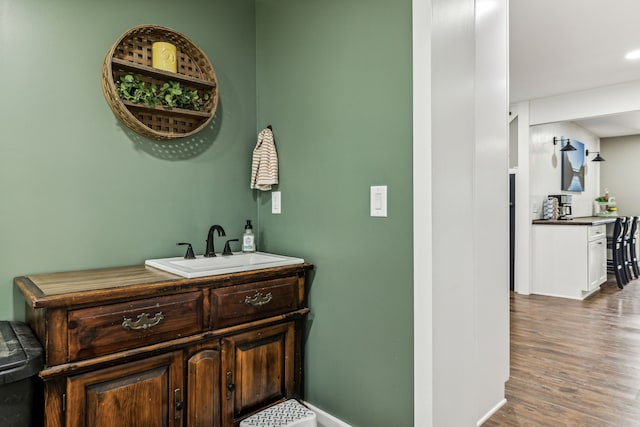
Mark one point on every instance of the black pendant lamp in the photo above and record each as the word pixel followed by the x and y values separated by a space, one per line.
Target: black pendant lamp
pixel 567 147
pixel 597 158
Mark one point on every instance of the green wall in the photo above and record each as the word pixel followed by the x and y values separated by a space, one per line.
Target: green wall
pixel 78 190
pixel 334 80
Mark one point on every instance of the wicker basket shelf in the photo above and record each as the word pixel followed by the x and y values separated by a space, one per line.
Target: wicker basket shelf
pixel 174 111
pixel 136 68
pixel 131 54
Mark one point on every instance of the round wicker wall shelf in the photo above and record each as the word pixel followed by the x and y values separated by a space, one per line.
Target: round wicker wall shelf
pixel 132 54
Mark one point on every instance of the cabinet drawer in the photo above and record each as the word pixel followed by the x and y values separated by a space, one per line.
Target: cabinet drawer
pixel 597 231
pixel 236 304
pixel 101 330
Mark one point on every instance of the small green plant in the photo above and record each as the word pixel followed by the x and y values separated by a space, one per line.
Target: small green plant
pixel 132 89
pixel 171 94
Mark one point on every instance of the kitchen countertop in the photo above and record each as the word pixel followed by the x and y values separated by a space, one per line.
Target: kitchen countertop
pixel 583 220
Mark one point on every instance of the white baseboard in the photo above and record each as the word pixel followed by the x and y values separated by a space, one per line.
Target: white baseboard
pixel 328 420
pixel 325 418
pixel 491 412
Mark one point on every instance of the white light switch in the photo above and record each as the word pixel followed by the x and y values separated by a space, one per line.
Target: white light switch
pixel 276 205
pixel 379 200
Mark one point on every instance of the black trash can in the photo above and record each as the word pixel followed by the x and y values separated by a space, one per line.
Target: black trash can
pixel 20 391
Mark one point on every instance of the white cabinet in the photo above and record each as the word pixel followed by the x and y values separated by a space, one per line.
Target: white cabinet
pixel 597 261
pixel 569 261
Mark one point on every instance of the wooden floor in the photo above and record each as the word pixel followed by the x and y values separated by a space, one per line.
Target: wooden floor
pixel 574 363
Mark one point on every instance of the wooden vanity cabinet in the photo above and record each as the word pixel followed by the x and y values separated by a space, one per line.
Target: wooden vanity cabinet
pixel 136 346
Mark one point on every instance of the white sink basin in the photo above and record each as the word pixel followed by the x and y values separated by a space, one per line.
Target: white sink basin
pixel 201 266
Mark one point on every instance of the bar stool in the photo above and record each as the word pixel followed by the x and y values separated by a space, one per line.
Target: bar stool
pixel 614 245
pixel 626 240
pixel 630 252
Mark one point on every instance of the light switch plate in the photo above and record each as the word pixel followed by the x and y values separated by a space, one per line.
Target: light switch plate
pixel 276 202
pixel 379 200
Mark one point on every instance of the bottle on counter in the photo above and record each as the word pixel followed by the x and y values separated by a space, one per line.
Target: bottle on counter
pixel 248 239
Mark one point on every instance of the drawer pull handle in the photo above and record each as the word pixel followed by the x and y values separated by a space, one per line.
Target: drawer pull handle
pixel 143 322
pixel 258 300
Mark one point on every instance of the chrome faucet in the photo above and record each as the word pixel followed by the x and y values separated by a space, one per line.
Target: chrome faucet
pixel 210 251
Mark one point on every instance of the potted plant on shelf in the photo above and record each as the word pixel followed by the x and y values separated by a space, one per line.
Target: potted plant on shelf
pixel 170 95
pixel 132 89
pixel 173 94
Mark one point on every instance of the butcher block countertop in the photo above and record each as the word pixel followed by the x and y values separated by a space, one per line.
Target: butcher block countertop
pixel 583 220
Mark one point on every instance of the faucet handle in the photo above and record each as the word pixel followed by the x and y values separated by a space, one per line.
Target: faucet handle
pixel 189 254
pixel 227 248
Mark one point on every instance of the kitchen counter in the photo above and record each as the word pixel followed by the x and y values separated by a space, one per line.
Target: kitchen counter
pixel 583 220
pixel 570 259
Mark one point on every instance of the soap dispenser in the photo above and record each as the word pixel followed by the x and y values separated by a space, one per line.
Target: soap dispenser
pixel 248 240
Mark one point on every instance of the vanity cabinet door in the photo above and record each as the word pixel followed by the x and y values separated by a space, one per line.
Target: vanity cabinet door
pixel 144 393
pixel 257 370
pixel 203 387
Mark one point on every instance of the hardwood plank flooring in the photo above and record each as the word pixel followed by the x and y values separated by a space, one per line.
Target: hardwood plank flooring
pixel 574 363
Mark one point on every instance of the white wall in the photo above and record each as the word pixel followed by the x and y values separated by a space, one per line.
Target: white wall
pixel 523 200
pixel 546 166
pixel 453 151
pixel 513 142
pixel 491 214
pixel 466 134
pixel 422 217
pixel 620 172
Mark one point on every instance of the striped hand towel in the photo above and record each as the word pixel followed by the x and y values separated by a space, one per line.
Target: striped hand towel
pixel 264 167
